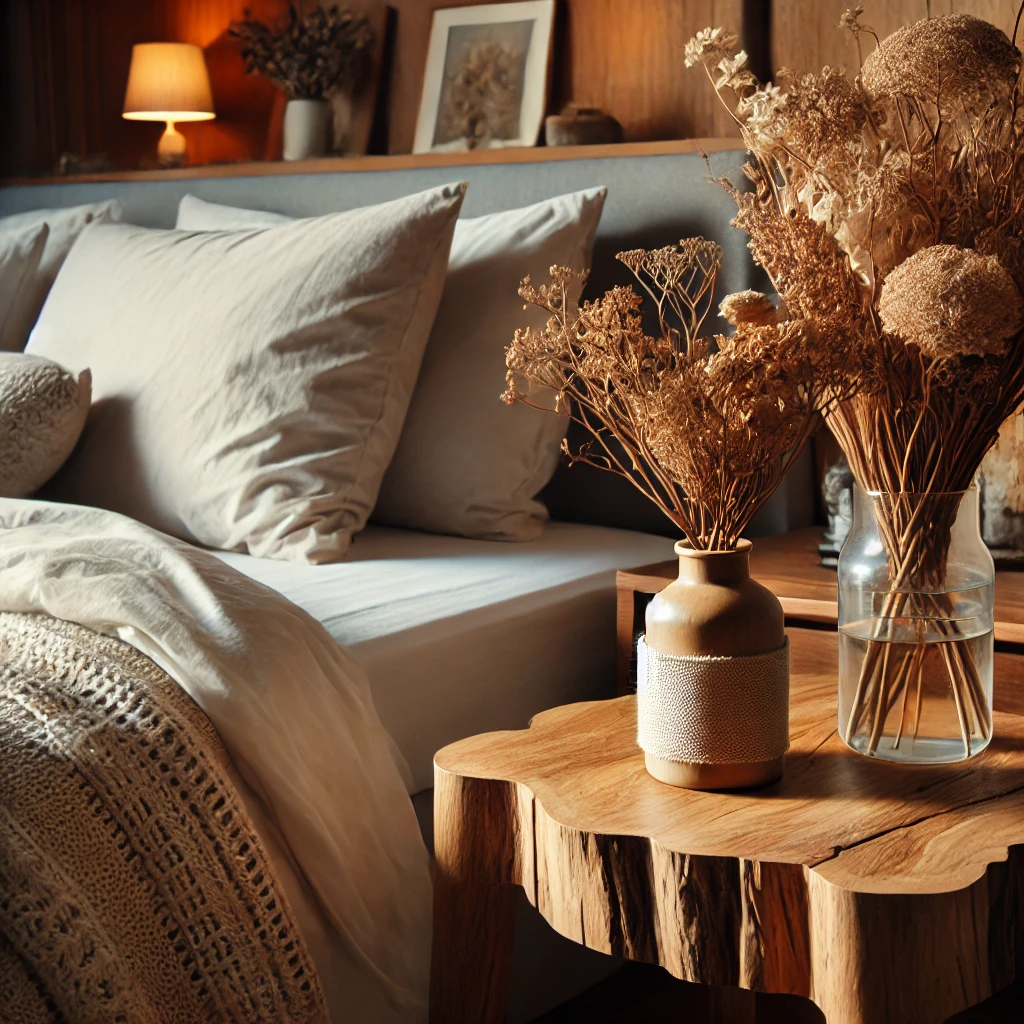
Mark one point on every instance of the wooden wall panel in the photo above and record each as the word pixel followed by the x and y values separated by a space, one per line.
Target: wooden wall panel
pixel 64 64
pixel 805 35
pixel 65 67
pixel 625 56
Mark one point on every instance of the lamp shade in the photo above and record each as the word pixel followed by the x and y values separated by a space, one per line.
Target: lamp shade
pixel 168 82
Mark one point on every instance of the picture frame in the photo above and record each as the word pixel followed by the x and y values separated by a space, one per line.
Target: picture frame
pixel 486 80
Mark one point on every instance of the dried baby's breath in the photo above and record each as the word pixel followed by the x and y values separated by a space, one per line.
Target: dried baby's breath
pixel 705 431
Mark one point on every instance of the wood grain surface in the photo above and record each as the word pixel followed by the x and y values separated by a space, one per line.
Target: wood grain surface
pixel 64 65
pixel 882 892
pixel 624 56
pixel 350 165
pixel 805 36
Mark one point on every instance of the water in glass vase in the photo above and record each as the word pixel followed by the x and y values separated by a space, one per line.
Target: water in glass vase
pixel 919 686
pixel 916 616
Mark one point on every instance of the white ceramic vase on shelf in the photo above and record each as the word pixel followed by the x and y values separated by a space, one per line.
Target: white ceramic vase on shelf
pixel 306 129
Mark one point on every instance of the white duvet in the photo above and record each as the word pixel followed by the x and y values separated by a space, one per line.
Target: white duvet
pixel 293 709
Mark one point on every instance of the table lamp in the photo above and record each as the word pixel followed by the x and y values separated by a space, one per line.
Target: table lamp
pixel 168 82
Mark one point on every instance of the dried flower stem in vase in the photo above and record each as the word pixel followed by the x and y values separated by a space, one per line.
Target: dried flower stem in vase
pixel 311 54
pixel 706 430
pixel 888 212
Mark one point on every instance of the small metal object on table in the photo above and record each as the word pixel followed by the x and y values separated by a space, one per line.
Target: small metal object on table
pixel 883 894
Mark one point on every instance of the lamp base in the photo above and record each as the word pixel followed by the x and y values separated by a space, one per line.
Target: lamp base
pixel 172 149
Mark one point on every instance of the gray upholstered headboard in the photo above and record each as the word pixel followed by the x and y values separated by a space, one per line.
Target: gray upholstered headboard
pixel 653 200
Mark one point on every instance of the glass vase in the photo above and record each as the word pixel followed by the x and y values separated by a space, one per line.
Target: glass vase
pixel 916 612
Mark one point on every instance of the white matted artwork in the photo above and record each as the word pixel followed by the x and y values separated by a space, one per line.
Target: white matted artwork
pixel 486 81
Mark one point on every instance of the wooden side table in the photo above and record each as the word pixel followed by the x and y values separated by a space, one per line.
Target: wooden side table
pixel 886 894
pixel 788 565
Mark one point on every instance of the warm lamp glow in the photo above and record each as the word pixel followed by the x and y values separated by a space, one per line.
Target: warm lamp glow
pixel 168 82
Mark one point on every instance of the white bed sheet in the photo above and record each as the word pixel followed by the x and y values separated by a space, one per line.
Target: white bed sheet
pixel 462 636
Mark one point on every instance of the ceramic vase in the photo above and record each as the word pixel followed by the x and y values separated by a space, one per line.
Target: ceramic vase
pixel 713 676
pixel 306 129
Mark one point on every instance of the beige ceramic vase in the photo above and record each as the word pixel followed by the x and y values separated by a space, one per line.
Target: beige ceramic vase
pixel 714 613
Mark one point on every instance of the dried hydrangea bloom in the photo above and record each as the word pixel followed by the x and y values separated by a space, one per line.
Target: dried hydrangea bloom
pixel 759 108
pixel 748 307
pixel 952 302
pixel 947 60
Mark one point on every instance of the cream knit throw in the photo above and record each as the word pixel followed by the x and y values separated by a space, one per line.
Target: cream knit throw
pixel 133 886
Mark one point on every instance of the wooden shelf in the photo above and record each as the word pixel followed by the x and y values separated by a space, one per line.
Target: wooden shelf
pixel 344 165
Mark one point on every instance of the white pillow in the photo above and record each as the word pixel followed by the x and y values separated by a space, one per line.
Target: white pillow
pixel 195 214
pixel 466 463
pixel 20 252
pixel 249 387
pixel 63 228
pixel 42 412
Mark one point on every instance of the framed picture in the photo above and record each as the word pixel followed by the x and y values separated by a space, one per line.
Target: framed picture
pixel 486 81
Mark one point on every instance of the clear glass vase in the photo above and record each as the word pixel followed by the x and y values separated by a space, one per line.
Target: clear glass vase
pixel 916 611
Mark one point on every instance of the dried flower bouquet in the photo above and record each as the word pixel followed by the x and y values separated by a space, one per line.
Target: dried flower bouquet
pixel 888 212
pixel 311 54
pixel 706 431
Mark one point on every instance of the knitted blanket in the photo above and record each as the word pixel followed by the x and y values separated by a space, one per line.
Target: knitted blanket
pixel 133 886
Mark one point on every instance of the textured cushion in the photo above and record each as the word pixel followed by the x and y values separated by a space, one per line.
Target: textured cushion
pixel 63 228
pixel 42 412
pixel 466 463
pixel 249 387
pixel 20 252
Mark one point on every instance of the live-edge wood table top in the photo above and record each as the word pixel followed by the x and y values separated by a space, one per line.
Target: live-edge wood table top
pixel 883 892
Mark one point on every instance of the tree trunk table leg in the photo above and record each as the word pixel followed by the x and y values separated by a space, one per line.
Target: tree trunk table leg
pixel 472 953
pixel 728 1005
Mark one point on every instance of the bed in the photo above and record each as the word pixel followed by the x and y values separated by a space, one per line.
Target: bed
pixel 463 636
pixel 458 636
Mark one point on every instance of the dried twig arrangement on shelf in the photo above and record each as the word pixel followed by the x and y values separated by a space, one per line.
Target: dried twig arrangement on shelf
pixel 888 211
pixel 705 431
pixel 310 55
